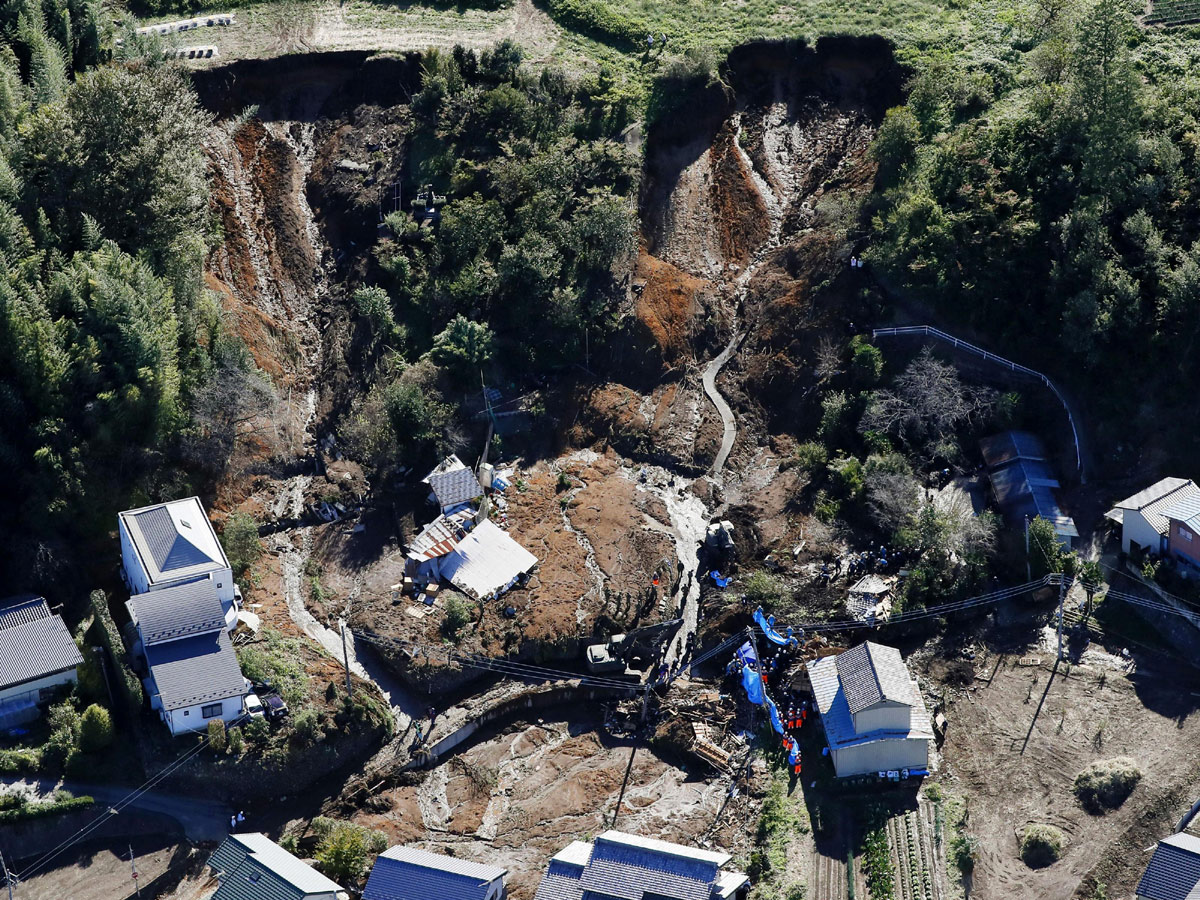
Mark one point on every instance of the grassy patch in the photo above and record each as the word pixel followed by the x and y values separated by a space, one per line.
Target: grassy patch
pixel 277 659
pixel 1106 784
pixel 1041 845
pixel 783 817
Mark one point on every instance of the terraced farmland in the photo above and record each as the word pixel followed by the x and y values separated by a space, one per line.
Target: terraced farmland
pixel 1174 12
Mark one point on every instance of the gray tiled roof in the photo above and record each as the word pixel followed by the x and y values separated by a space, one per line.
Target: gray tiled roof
pixel 837 721
pixel 253 867
pixel 195 670
pixel 168 547
pixel 1186 510
pixel 1174 869
pixel 407 873
pixel 21 609
pixel 35 649
pixel 872 673
pixel 457 486
pixel 560 883
pixel 630 872
pixel 178 611
pixel 174 540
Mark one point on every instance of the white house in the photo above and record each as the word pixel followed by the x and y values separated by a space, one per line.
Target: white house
pixel 872 711
pixel 623 865
pixel 1173 872
pixel 174 543
pixel 37 657
pixel 406 873
pixel 193 675
pixel 254 867
pixel 1145 518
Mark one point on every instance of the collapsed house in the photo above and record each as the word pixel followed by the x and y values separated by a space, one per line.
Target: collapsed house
pixel 870 599
pixel 463 546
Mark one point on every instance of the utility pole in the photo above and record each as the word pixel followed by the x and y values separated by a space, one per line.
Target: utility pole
pixel 1062 597
pixel 133 866
pixel 1028 568
pixel 7 877
pixel 346 658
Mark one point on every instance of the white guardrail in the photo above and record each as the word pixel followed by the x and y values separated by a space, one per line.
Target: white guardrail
pixel 930 331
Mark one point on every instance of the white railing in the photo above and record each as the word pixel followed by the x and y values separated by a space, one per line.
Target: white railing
pixel 930 331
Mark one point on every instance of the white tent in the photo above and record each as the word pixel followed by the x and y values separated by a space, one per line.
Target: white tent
pixel 486 562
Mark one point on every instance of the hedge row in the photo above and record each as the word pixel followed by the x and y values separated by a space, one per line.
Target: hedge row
pixel 38 810
pixel 19 762
pixel 600 20
pixel 127 683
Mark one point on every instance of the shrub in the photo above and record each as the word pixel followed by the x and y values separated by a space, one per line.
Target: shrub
pixel 95 729
pixel 962 853
pixel 763 588
pixel 811 458
pixel 15 762
pixel 866 362
pixel 458 616
pixel 240 540
pixel 58 750
pixel 306 726
pixel 1041 845
pixel 257 731
pixel 110 637
pixel 218 738
pixel 50 808
pixel 342 853
pixel 235 740
pixel 1106 784
pixel 63 717
pixel 599 20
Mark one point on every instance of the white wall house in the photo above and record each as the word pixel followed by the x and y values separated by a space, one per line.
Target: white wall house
pixel 1144 520
pixel 169 544
pixel 193 675
pixel 872 711
pixel 38 657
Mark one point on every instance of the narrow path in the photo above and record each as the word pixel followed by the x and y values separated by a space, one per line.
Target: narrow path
pixel 728 420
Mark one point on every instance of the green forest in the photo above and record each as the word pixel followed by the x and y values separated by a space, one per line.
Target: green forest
pixel 104 333
pixel 1040 192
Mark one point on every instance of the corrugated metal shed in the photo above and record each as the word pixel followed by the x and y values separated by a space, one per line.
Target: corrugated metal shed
pixel 253 867
pixel 1023 482
pixel 35 649
pixel 178 611
pixel 1003 448
pixel 486 561
pixel 1174 869
pixel 195 670
pixel 408 873
pixel 872 673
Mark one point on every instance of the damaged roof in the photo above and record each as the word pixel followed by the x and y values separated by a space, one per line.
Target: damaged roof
pixel 455 487
pixel 486 562
pixel 436 539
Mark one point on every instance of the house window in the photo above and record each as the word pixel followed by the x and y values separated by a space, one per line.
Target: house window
pixel 210 711
pixel 1185 534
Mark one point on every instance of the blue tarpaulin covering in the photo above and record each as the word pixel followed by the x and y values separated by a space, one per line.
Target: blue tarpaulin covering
pixel 775 720
pixel 767 624
pixel 747 655
pixel 752 682
pixel 718 580
pixel 793 754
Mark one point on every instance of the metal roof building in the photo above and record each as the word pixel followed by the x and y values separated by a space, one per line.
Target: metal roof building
pixel 407 873
pixel 872 712
pixel 486 562
pixel 1023 481
pixel 253 867
pixel 628 867
pixel 37 655
pixel 1174 870
pixel 1145 518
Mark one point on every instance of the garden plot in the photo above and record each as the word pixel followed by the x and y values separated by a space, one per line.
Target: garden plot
pixel 918 855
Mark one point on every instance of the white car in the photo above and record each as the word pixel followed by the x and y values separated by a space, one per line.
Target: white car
pixel 253 707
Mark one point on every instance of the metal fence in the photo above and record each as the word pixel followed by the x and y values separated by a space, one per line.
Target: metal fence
pixel 930 331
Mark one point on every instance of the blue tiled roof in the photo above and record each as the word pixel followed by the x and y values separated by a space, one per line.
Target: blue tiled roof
pixel 1174 870
pixel 632 872
pixel 407 873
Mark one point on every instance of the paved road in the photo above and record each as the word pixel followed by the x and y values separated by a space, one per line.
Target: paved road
pixel 727 418
pixel 201 820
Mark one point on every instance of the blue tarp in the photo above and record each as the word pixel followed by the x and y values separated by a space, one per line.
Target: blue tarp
pixel 752 682
pixel 775 720
pixel 767 624
pixel 718 580
pixel 793 754
pixel 747 655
